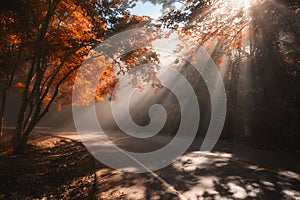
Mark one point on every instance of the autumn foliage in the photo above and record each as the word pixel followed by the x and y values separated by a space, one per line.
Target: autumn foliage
pixel 44 45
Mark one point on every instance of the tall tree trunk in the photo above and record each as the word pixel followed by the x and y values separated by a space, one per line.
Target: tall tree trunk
pixel 24 128
pixel 20 144
pixel 2 110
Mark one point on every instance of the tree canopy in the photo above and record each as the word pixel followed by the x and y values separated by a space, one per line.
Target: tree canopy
pixel 44 43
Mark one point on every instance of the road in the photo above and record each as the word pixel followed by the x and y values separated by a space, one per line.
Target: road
pixel 229 171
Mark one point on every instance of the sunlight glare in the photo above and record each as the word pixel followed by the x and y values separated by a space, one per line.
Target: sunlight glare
pixel 241 4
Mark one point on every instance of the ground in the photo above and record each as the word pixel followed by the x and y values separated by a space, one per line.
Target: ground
pixel 56 167
pixel 51 168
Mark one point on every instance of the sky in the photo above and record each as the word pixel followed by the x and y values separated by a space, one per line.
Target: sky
pixel 147 8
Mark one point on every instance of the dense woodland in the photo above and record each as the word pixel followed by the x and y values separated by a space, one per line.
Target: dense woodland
pixel 43 44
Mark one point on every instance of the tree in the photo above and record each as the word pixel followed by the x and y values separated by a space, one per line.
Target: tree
pixel 256 45
pixel 12 52
pixel 57 37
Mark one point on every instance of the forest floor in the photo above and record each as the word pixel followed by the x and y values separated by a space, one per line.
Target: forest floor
pixel 51 168
pixel 56 167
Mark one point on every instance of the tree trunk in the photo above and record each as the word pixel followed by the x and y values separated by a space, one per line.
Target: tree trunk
pixel 21 139
pixel 2 109
pixel 19 146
